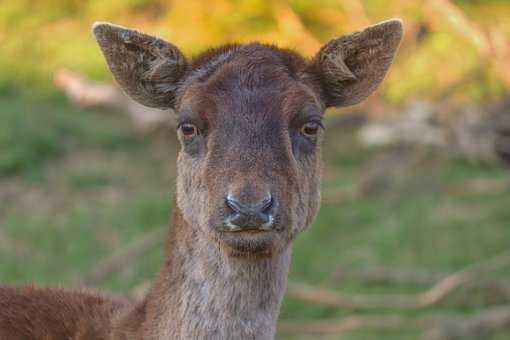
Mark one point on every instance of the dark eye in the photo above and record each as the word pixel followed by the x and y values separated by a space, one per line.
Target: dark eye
pixel 188 130
pixel 310 129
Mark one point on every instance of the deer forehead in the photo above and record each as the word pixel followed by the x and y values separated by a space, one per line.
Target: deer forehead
pixel 247 87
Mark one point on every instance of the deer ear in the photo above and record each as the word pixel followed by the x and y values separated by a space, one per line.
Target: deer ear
pixel 147 68
pixel 351 67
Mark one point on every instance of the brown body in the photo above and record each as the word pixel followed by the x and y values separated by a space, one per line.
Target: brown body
pixel 249 121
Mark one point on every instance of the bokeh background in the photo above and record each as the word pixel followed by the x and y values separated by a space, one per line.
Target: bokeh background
pixel 413 238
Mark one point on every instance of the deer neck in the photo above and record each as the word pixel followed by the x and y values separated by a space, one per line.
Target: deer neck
pixel 201 293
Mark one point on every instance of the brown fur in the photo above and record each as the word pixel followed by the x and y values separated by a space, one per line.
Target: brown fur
pixel 39 313
pixel 249 104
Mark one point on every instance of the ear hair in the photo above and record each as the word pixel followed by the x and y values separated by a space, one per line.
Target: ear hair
pixel 351 67
pixel 147 68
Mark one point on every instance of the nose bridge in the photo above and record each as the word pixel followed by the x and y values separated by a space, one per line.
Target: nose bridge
pixel 248 188
pixel 253 152
pixel 249 162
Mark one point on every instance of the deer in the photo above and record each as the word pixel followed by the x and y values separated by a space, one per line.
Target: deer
pixel 250 124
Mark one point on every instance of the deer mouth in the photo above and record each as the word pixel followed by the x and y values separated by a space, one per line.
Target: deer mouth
pixel 250 242
pixel 249 232
pixel 231 226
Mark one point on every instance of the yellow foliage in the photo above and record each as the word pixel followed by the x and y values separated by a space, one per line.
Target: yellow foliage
pixel 445 42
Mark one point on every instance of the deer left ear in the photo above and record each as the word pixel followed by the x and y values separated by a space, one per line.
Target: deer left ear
pixel 351 67
pixel 147 68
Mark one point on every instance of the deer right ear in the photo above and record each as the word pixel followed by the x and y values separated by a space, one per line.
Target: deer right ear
pixel 147 68
pixel 351 67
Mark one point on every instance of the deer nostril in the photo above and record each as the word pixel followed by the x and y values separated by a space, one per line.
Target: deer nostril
pixel 247 216
pixel 233 204
pixel 266 204
pixel 262 207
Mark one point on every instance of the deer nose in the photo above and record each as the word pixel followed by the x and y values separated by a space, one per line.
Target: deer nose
pixel 245 217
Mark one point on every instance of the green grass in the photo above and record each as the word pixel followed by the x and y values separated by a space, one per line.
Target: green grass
pixel 76 185
pixel 35 131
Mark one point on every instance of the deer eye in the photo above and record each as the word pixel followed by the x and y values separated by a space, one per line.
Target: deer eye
pixel 188 130
pixel 310 129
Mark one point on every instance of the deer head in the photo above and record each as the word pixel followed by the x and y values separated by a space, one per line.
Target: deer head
pixel 249 119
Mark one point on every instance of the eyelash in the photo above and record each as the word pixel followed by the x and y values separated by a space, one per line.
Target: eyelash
pixel 318 122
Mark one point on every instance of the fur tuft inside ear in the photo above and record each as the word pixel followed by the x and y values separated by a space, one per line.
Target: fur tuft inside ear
pixel 147 68
pixel 351 67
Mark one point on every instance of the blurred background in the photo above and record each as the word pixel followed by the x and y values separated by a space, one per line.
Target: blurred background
pixel 413 238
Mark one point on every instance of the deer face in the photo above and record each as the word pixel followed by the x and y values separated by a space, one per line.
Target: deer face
pixel 249 118
pixel 249 166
